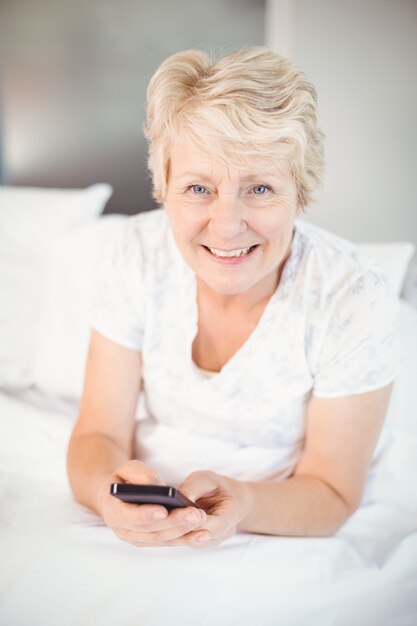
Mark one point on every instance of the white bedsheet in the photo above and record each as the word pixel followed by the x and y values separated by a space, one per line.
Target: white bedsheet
pixel 60 565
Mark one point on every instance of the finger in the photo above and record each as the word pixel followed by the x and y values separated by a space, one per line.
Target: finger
pixel 221 520
pixel 194 539
pixel 146 518
pixel 178 522
pixel 138 539
pixel 198 539
pixel 156 537
pixel 131 516
pixel 135 471
pixel 205 488
pixel 199 484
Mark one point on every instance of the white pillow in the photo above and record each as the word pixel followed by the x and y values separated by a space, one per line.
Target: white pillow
pixel 31 219
pixel 393 258
pixel 409 292
pixel 403 406
pixel 64 331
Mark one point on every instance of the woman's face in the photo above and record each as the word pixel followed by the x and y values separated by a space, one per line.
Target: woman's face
pixel 233 227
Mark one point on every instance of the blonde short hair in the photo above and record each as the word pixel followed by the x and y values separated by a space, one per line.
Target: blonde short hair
pixel 251 106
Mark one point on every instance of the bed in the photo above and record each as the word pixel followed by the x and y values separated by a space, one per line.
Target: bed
pixel 61 565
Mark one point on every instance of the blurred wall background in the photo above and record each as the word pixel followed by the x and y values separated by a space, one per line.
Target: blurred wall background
pixel 362 57
pixel 74 75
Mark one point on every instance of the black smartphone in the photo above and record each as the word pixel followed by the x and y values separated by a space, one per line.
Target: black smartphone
pixel 169 497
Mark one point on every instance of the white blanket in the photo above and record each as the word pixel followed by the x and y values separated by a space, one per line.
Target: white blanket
pixel 60 565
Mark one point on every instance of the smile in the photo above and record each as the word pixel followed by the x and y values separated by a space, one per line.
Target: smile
pixel 231 256
pixel 231 253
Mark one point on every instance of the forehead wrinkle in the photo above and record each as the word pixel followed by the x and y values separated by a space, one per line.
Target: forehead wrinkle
pixel 205 174
pixel 191 160
pixel 187 162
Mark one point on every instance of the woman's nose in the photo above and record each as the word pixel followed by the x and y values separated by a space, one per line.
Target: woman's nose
pixel 227 219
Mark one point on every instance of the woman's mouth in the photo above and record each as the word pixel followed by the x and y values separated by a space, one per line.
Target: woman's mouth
pixel 231 257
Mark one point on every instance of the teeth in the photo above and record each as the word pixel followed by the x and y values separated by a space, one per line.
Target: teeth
pixel 232 253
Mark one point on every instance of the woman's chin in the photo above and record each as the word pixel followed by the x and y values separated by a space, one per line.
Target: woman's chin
pixel 226 285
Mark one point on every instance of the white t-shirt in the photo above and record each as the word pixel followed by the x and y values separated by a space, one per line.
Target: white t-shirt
pixel 330 329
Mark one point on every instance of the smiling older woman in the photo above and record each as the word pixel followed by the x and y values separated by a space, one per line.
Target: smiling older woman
pixel 265 347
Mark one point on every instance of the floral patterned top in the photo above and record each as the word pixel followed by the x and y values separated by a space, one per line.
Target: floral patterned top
pixel 330 329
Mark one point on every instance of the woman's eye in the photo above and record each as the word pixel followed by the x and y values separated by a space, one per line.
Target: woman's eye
pixel 198 189
pixel 260 190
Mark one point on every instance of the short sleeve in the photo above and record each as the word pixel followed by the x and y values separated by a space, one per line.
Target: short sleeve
pixel 117 289
pixel 360 344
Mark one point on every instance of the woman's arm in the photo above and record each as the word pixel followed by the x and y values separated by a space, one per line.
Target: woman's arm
pixel 327 485
pixel 101 448
pixel 325 489
pixel 102 437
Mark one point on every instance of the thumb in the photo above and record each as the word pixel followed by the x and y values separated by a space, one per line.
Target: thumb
pixel 199 484
pixel 135 471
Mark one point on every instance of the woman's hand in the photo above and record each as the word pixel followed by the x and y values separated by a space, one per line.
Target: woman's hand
pixel 225 502
pixel 144 525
